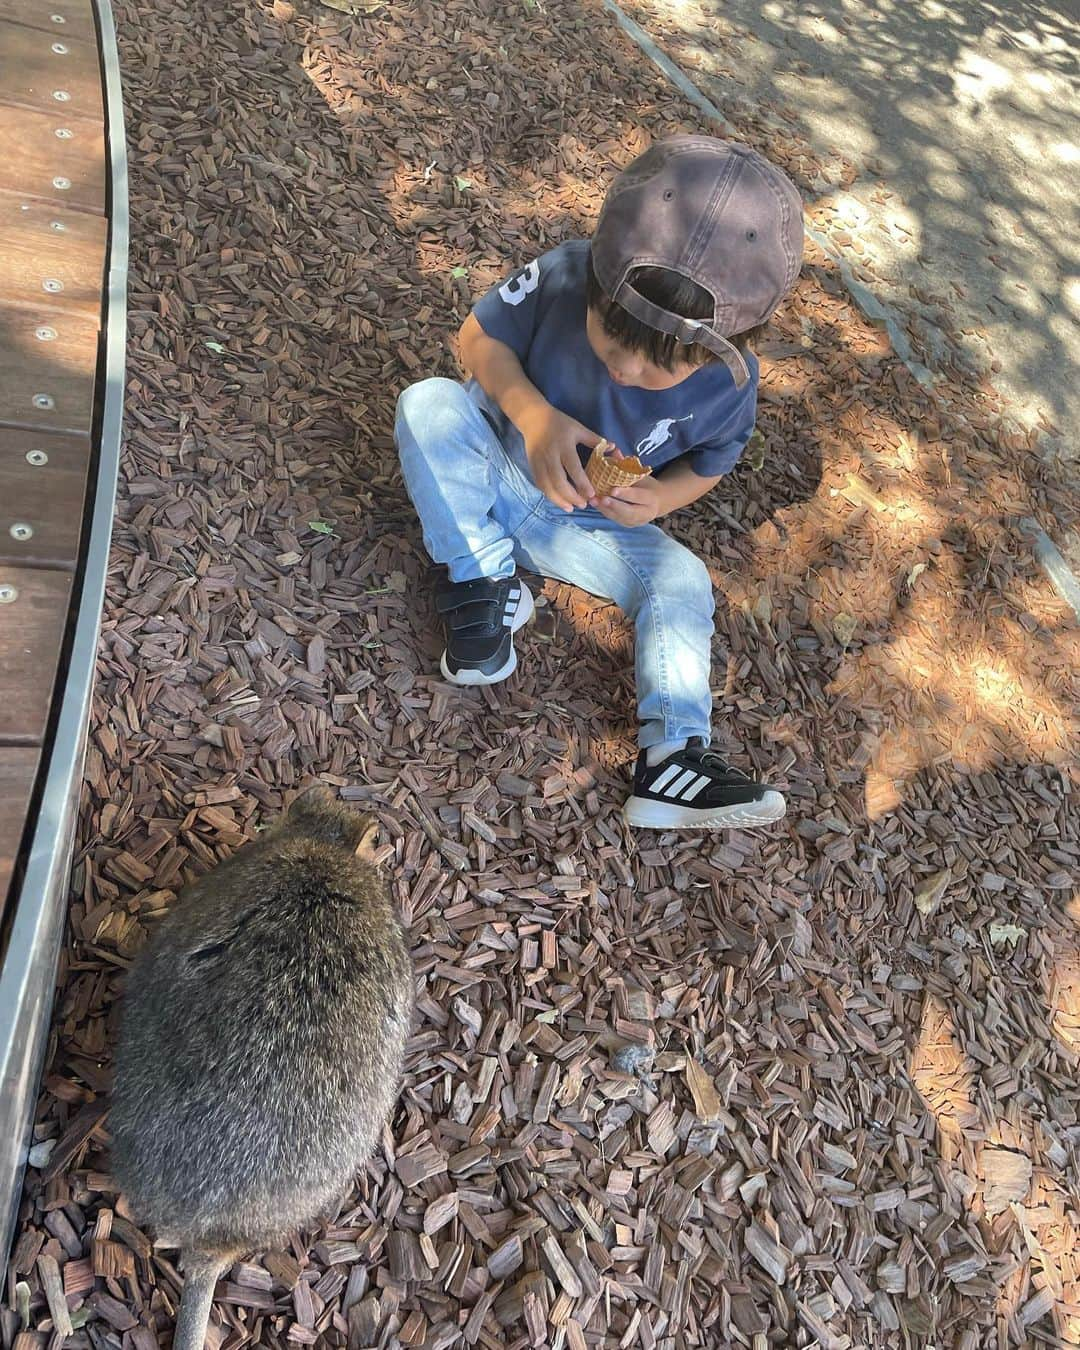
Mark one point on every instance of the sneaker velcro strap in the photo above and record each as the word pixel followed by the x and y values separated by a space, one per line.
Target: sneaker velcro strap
pixel 479 592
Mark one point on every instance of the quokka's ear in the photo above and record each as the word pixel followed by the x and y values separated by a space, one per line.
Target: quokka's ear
pixel 368 841
pixel 318 814
pixel 315 799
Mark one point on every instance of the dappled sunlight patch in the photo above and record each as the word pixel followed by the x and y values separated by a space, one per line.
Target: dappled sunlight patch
pixel 798 540
pixel 598 622
pixel 610 752
pixel 1047 1215
pixel 1008 1169
pixel 961 701
pixel 945 1079
pixel 1019 1198
pixel 1063 984
pixel 1036 605
pixel 999 1170
pixel 900 453
pixel 883 787
pixel 1000 492
pixel 348 80
pixel 1014 700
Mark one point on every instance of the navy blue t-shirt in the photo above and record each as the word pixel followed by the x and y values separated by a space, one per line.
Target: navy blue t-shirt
pixel 539 313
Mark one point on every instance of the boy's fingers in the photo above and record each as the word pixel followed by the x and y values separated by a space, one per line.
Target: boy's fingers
pixel 553 485
pixel 568 496
pixel 610 507
pixel 579 479
pixel 635 496
pixel 569 491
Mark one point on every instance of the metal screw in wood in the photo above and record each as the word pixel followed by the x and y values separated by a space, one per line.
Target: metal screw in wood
pixel 38 458
pixel 58 225
pixel 60 49
pixel 63 184
pixel 64 133
pixel 52 285
pixel 61 95
pixel 44 334
pixel 21 531
pixel 57 18
pixel 44 401
pixel 8 594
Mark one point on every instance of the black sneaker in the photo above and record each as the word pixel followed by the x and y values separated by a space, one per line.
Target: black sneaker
pixel 695 789
pixel 481 618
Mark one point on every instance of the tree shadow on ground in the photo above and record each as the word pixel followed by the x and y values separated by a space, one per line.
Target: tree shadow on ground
pixel 964 114
pixel 245 651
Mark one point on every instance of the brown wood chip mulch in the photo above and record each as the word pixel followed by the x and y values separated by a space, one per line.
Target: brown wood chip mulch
pixel 809 1087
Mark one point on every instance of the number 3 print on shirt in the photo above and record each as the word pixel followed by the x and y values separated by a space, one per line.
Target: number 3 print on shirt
pixel 521 284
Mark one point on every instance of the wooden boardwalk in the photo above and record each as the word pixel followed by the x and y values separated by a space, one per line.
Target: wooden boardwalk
pixel 53 185
pixel 63 250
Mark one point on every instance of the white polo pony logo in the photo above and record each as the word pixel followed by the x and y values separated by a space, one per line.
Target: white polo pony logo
pixel 660 435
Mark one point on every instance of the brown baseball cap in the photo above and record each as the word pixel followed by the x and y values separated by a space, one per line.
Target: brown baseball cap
pixel 716 212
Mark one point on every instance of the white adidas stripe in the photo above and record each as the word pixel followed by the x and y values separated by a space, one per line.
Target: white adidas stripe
pixel 660 783
pixel 513 599
pixel 694 788
pixel 681 783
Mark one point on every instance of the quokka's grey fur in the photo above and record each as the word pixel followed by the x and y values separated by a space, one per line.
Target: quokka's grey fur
pixel 261 1046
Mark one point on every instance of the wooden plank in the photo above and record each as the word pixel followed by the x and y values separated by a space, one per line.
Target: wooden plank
pixel 34 248
pixel 31 631
pixel 62 18
pixel 47 385
pixel 36 161
pixel 43 489
pixel 43 71
pixel 79 228
pixel 18 764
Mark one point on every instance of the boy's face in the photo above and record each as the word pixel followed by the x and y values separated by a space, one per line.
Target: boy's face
pixel 630 368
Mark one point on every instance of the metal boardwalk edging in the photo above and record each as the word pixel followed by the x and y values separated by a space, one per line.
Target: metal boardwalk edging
pixel 27 976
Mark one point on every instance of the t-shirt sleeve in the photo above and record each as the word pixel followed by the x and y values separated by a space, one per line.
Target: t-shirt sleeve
pixel 721 452
pixel 510 311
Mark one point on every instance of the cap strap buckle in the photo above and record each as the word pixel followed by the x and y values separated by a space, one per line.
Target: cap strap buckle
pixel 688 331
pixel 683 330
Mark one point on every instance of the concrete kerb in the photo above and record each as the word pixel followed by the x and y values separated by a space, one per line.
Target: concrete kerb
pixel 1045 551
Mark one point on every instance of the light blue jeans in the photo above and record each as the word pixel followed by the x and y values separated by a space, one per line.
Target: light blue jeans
pixel 482 516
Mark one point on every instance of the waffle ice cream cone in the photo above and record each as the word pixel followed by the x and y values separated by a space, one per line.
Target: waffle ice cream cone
pixel 606 473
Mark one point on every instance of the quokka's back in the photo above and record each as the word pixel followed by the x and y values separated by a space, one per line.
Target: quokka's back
pixel 261 1046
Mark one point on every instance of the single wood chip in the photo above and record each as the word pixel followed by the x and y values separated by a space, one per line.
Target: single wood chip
pixel 53 1285
pixel 774 1259
pixel 707 1104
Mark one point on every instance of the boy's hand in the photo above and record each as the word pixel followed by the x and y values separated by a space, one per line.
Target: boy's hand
pixel 551 445
pixel 634 505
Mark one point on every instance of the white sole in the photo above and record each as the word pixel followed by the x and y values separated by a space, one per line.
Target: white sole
pixel 650 815
pixel 463 678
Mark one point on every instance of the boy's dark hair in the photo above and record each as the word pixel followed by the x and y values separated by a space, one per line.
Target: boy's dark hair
pixel 671 291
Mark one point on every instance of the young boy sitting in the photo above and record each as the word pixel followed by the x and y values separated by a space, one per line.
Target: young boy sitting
pixel 638 338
